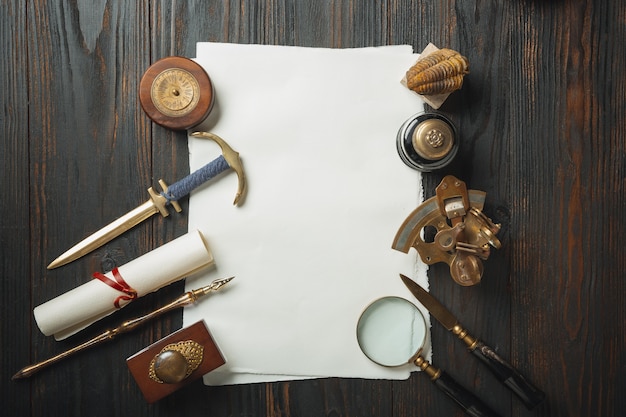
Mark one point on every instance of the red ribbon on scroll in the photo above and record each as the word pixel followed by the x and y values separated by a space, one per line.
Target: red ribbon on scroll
pixel 119 284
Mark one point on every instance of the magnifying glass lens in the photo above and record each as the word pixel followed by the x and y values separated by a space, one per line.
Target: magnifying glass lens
pixel 391 331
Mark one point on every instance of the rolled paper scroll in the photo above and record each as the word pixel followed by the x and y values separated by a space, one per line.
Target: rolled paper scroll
pixel 76 309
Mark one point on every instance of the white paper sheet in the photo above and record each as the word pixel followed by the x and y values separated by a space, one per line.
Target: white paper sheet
pixel 311 245
pixel 76 309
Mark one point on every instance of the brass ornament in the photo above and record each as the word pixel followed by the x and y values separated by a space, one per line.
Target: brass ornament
pixel 176 362
pixel 427 142
pixel 433 139
pixel 450 227
pixel 176 93
pixel 440 72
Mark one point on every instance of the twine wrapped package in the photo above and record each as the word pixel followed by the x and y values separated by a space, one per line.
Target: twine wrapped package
pixel 74 310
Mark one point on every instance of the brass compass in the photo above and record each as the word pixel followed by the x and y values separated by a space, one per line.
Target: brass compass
pixel 176 92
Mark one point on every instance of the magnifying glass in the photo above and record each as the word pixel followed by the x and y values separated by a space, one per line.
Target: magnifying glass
pixel 392 332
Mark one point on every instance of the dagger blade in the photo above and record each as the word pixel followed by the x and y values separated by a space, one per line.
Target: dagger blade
pixel 438 311
pixel 107 233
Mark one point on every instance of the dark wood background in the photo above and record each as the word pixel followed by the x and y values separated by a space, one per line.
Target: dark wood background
pixel 542 123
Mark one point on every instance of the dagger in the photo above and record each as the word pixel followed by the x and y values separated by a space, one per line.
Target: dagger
pixel 510 377
pixel 158 202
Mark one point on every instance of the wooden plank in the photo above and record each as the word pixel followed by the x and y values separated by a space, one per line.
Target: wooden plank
pixel 542 123
pixel 91 162
pixel 15 229
pixel 567 162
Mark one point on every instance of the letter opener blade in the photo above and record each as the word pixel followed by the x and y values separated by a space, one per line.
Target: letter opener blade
pixel 506 373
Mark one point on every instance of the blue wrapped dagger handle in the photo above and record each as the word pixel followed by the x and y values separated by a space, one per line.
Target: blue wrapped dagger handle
pixel 192 181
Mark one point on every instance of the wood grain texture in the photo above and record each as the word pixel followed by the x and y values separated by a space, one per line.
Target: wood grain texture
pixel 541 117
pixel 15 248
pixel 572 194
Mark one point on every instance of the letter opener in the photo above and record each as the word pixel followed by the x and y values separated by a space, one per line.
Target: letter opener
pixel 158 202
pixel 506 373
pixel 189 297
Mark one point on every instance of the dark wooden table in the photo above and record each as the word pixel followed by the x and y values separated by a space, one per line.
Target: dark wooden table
pixel 542 123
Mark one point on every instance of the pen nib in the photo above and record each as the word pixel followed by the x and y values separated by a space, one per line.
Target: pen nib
pixel 217 284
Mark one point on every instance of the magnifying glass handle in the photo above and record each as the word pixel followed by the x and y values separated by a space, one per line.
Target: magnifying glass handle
pixel 472 405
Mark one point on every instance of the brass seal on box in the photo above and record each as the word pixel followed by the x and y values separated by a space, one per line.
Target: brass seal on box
pixel 174 357
pixel 176 362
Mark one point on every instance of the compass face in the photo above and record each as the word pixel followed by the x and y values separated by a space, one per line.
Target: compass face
pixel 175 92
